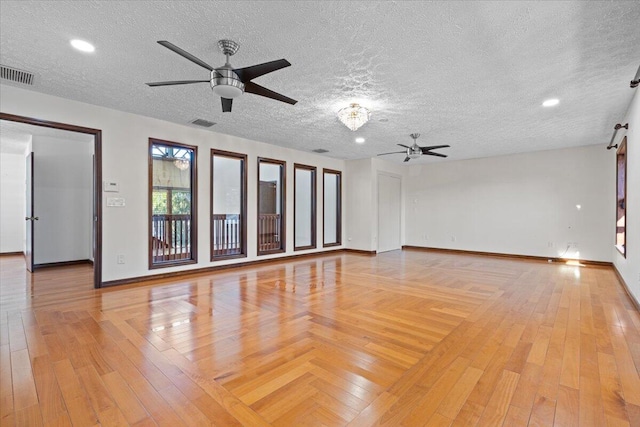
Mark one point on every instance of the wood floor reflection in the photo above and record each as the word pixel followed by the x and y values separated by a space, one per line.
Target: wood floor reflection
pixel 404 338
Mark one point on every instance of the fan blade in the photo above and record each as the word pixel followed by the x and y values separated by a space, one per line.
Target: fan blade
pixel 177 82
pixel 429 153
pixel 405 146
pixel 250 73
pixel 395 152
pixel 226 104
pixel 185 54
pixel 406 159
pixel 256 89
pixel 433 147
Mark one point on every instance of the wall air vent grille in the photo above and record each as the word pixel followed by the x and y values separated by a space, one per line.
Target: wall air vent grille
pixel 202 122
pixel 15 75
pixel 320 150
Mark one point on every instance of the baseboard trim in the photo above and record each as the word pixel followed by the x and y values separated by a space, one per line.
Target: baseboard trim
pixel 62 264
pixel 11 253
pixel 215 268
pixel 633 299
pixel 502 255
pixel 360 251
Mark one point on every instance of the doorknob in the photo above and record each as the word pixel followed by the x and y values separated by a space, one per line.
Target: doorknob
pixel 33 218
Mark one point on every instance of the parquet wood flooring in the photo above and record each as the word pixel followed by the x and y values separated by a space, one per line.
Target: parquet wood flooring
pixel 405 338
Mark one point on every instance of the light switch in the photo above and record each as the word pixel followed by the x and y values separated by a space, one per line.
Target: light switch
pixel 111 187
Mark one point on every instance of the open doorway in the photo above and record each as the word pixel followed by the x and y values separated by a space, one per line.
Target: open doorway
pixel 62 178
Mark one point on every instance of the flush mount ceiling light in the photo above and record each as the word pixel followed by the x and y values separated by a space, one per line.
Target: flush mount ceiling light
pixel 82 45
pixel 354 116
pixel 551 102
pixel 360 140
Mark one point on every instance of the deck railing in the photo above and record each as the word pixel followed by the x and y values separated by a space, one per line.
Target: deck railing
pixel 171 237
pixel 269 233
pixel 226 235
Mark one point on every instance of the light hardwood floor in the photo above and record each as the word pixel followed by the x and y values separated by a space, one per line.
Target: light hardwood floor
pixel 406 338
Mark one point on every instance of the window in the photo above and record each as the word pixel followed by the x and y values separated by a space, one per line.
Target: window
pixel 304 207
pixel 172 204
pixel 332 201
pixel 228 205
pixel 621 198
pixel 271 206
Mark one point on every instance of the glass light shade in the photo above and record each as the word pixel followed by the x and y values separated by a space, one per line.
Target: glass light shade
pixel 354 116
pixel 227 91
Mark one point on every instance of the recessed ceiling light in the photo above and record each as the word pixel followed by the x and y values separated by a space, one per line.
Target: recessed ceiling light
pixel 82 45
pixel 360 140
pixel 551 102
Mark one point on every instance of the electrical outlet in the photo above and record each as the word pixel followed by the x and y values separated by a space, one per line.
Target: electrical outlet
pixel 425 237
pixel 120 259
pixel 453 238
pixel 549 244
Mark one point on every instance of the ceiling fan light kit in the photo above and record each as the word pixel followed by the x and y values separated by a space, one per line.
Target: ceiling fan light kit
pixel 228 82
pixel 354 116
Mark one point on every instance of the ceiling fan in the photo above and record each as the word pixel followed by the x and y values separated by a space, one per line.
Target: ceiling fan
pixel 416 151
pixel 229 82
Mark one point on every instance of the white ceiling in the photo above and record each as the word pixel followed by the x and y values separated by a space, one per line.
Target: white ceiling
pixel 469 74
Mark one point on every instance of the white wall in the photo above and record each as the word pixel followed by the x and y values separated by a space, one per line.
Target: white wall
pixel 521 204
pixel 358 203
pixel 361 202
pixel 629 267
pixel 12 202
pixel 125 159
pixel 63 194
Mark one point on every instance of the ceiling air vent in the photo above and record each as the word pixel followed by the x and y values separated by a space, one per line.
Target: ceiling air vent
pixel 15 75
pixel 320 150
pixel 202 122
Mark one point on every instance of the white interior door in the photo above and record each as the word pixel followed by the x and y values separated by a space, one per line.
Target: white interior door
pixel 389 200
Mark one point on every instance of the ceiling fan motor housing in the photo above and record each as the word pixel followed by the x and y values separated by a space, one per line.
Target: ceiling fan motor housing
pixel 226 84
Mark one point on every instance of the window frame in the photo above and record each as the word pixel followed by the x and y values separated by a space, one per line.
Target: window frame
pixel 621 204
pixel 314 204
pixel 243 204
pixel 338 241
pixel 194 205
pixel 283 205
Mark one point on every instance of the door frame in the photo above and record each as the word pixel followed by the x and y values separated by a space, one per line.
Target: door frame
pixel 400 211
pixel 30 226
pixel 97 181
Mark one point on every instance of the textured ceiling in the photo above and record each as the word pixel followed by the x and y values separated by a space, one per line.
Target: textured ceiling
pixel 469 74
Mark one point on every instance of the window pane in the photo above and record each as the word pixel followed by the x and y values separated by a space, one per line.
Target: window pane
pixel 305 194
pixel 270 206
pixel 331 222
pixel 228 205
pixel 159 202
pixel 621 197
pixel 172 208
